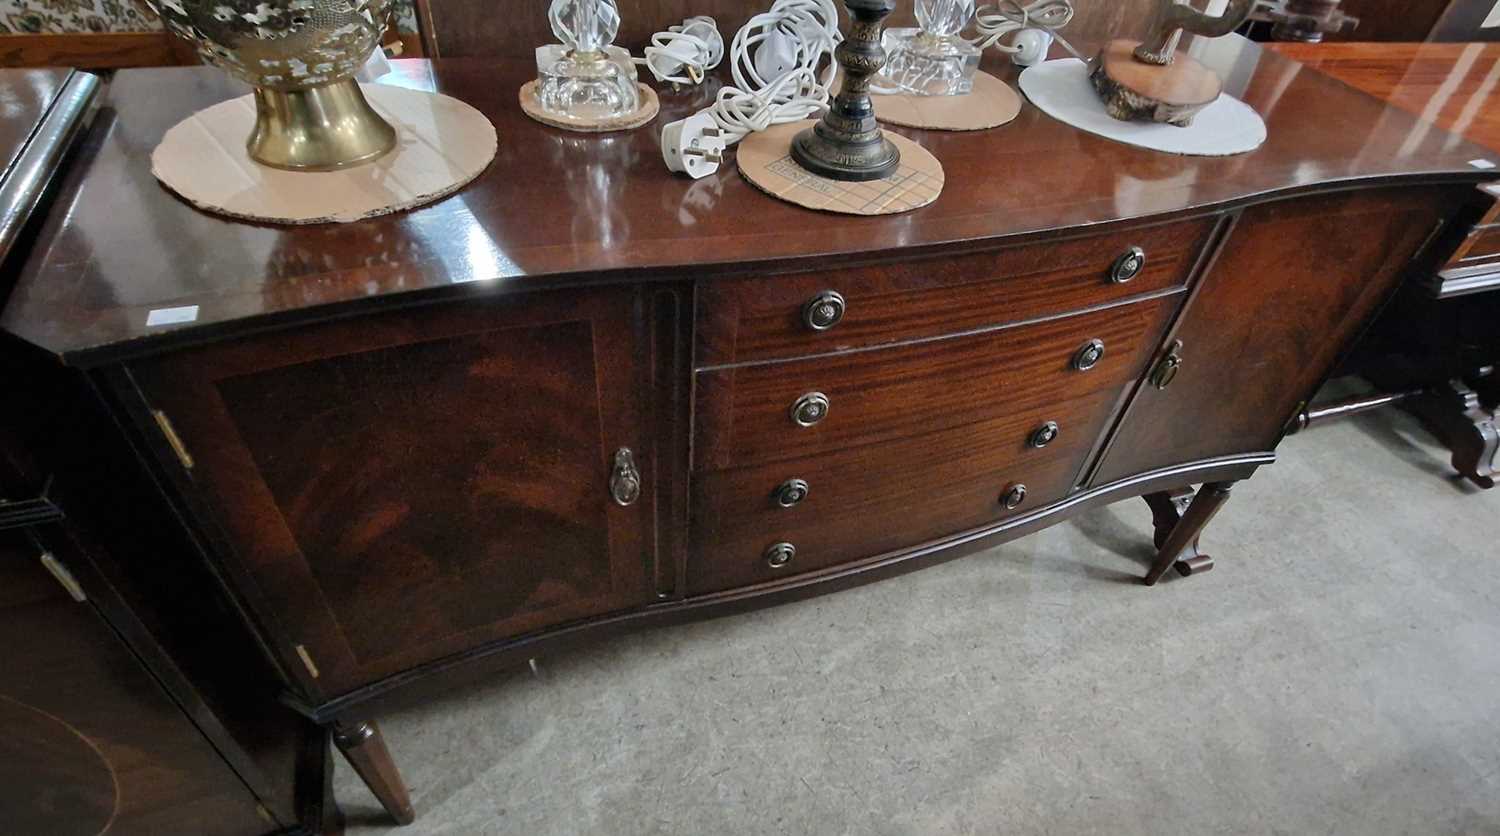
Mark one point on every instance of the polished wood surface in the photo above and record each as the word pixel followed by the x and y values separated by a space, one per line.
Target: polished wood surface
pixel 95 50
pixel 602 208
pixel 1450 85
pixel 448 467
pixel 1340 256
pixel 25 96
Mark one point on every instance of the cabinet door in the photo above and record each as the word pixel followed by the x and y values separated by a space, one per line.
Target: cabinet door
pixel 400 487
pixel 89 742
pixel 1295 283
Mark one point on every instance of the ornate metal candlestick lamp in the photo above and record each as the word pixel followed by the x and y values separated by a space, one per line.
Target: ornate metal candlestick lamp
pixel 1152 81
pixel 301 57
pixel 847 143
pixel 932 60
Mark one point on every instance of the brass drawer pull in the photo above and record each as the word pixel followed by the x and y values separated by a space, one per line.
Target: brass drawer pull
pixel 1013 497
pixel 791 492
pixel 625 479
pixel 1089 356
pixel 1167 368
pixel 810 409
pixel 823 311
pixel 1128 266
pixel 780 554
pixel 1044 435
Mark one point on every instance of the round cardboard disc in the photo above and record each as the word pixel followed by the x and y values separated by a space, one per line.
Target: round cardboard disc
pixel 650 106
pixel 991 104
pixel 1062 90
pixel 765 160
pixel 442 144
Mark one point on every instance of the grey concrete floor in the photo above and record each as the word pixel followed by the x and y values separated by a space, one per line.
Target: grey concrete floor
pixel 1338 672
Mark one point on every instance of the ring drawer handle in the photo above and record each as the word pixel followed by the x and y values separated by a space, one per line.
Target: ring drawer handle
pixel 780 554
pixel 1013 497
pixel 1044 435
pixel 824 311
pixel 810 409
pixel 1128 266
pixel 1089 356
pixel 791 492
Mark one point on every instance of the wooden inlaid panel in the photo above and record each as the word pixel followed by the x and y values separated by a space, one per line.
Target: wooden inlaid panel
pixel 762 318
pixel 744 412
pixel 868 500
pixel 1252 355
pixel 1483 244
pixel 415 484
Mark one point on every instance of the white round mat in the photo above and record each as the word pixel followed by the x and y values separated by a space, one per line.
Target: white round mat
pixel 1062 90
pixel 441 145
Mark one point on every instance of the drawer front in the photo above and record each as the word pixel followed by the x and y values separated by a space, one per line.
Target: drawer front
pixel 866 501
pixel 1482 245
pixel 745 413
pixel 754 319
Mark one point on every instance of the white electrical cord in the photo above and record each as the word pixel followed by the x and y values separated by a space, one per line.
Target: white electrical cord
pixel 995 22
pixel 685 53
pixel 775 61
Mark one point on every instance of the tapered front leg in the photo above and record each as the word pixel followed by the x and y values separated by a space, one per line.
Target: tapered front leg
pixel 1183 535
pixel 364 748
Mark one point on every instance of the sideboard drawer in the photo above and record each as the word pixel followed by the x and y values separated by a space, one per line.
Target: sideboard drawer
pixel 745 414
pixel 756 319
pixel 866 501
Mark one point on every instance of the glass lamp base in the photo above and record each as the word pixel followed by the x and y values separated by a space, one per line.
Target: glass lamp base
pixel 587 88
pixel 922 64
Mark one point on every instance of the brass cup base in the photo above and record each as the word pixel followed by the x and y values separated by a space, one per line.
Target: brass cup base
pixel 836 157
pixel 319 129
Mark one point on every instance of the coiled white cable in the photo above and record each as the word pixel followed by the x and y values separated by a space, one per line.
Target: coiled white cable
pixel 995 22
pixel 776 57
pixel 685 53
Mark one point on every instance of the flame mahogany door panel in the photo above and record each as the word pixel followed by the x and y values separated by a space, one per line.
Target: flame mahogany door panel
pixel 411 485
pixel 1296 282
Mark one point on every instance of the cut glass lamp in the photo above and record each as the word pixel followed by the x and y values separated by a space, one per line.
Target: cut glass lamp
pixel 585 79
pixel 933 60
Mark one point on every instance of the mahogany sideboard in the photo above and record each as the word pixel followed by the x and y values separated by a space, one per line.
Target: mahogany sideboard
pixel 583 395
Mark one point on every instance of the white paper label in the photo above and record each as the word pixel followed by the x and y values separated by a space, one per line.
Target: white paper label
pixel 1492 19
pixel 172 316
pixel 1481 164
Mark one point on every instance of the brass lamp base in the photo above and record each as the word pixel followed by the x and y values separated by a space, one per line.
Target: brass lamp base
pixel 319 129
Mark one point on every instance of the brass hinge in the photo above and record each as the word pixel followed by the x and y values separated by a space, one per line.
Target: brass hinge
pixel 63 576
pixel 307 660
pixel 173 439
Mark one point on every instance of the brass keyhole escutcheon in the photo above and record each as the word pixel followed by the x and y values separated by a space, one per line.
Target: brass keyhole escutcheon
pixel 1167 368
pixel 624 478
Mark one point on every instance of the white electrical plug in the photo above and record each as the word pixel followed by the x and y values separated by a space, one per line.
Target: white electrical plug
pixel 693 146
pixel 1031 47
pixel 683 53
pixel 776 55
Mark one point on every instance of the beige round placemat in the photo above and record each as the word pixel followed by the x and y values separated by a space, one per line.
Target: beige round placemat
pixel 650 106
pixel 442 144
pixel 766 162
pixel 991 104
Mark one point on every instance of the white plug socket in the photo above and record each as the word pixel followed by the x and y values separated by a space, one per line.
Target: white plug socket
pixel 693 146
pixel 1031 47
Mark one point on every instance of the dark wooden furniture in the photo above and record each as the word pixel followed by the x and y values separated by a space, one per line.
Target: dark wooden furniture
pixel 583 395
pixel 1436 349
pixel 133 699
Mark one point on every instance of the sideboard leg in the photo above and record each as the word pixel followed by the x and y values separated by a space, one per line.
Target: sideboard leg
pixel 364 748
pixel 1454 413
pixel 1179 522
